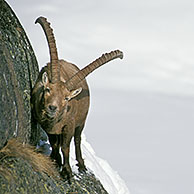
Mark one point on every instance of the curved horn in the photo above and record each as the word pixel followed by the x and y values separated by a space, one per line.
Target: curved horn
pixel 55 68
pixel 80 75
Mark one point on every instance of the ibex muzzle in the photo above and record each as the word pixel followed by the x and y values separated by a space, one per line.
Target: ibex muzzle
pixel 60 100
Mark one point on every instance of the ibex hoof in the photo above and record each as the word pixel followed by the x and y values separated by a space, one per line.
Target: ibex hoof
pixel 81 168
pixel 66 173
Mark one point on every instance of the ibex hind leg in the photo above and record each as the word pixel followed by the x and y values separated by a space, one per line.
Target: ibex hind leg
pixel 55 144
pixel 77 141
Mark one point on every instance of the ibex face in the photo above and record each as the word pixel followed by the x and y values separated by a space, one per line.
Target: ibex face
pixel 54 101
pixel 60 100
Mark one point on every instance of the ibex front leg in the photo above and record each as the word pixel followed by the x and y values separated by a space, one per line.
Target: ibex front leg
pixel 55 144
pixel 65 147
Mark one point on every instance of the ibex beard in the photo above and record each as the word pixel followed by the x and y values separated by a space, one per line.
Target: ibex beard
pixel 60 101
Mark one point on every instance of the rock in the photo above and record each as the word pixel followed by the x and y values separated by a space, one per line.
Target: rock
pixel 22 170
pixel 18 72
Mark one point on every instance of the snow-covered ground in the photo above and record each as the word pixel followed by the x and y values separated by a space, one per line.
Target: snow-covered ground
pixel 109 178
pixel 142 109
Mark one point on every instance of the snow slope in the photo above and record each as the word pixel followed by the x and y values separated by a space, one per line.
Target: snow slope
pixel 109 178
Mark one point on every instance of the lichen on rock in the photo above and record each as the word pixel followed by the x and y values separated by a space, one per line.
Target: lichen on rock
pixel 23 170
pixel 18 73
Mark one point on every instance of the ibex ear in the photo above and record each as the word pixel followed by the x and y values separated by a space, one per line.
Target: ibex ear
pixel 74 93
pixel 45 78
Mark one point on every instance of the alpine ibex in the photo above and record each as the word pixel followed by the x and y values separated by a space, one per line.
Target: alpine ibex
pixel 60 100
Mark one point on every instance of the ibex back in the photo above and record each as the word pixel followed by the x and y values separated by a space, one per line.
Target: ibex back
pixel 60 101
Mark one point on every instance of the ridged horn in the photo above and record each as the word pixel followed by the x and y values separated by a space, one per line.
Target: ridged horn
pixel 54 65
pixel 80 75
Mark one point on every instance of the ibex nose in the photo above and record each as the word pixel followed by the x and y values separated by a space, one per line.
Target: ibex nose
pixel 52 108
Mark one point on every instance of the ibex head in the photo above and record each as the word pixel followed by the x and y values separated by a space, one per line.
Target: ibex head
pixel 55 97
pixel 56 93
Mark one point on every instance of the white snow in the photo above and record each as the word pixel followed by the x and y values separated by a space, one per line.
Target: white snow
pixel 109 178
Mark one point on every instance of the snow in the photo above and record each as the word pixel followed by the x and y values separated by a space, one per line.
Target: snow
pixel 109 178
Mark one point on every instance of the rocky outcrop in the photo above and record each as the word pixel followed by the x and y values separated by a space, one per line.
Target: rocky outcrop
pixel 18 72
pixel 22 168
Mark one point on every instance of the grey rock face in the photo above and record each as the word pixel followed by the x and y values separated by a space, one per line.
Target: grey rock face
pixel 18 72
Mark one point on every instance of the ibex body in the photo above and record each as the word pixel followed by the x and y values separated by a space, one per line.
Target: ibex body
pixel 60 100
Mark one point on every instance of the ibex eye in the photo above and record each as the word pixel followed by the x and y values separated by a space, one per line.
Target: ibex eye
pixel 67 98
